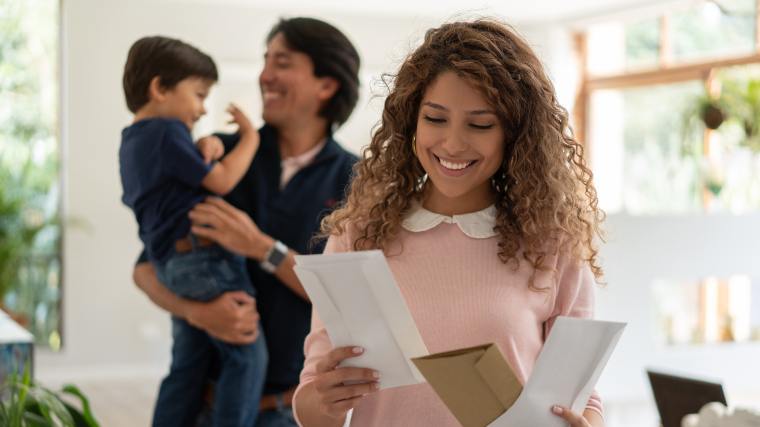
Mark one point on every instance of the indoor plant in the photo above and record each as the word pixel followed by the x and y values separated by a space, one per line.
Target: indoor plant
pixel 24 403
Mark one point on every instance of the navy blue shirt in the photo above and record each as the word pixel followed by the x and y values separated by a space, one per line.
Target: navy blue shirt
pixel 292 215
pixel 161 174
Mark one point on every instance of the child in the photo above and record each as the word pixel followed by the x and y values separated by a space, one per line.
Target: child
pixel 163 174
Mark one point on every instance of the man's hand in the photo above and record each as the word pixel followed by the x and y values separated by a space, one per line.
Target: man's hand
pixel 230 227
pixel 211 148
pixel 231 317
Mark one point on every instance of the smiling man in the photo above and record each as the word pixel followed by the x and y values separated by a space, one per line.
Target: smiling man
pixel 309 87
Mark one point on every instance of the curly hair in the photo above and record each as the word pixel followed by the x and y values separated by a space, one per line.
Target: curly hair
pixel 545 198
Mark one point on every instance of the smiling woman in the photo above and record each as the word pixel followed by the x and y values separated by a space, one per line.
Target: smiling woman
pixel 477 193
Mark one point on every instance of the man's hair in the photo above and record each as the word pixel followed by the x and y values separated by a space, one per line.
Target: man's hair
pixel 332 54
pixel 170 60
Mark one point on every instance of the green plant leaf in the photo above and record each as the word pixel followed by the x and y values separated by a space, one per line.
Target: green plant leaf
pixel 86 411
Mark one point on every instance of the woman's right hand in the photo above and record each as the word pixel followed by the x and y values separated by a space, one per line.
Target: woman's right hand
pixel 333 396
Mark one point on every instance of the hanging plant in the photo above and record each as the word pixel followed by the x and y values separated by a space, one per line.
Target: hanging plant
pixel 712 114
pixel 742 99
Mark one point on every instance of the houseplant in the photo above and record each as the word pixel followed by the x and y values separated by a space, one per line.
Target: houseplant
pixel 742 102
pixel 23 403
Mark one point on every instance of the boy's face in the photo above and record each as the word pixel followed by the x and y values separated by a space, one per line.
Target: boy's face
pixel 290 91
pixel 185 100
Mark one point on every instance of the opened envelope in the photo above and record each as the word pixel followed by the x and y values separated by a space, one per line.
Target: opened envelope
pixel 360 304
pixel 476 383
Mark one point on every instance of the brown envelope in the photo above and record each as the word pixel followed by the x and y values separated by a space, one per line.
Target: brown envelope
pixel 476 383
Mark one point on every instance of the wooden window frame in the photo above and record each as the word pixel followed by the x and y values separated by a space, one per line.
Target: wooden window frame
pixel 664 73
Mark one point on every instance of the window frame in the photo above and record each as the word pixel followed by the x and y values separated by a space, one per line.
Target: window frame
pixel 666 72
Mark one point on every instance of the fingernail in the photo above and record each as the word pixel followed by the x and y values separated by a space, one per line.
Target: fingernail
pixel 375 374
pixel 357 350
pixel 376 386
pixel 557 410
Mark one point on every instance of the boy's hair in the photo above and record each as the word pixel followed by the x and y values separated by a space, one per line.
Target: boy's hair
pixel 170 60
pixel 332 54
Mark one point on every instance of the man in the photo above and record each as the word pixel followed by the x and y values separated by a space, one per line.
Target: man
pixel 309 86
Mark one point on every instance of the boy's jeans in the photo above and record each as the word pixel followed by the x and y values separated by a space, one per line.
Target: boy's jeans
pixel 202 275
pixel 280 417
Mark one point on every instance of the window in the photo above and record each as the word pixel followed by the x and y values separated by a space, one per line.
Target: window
pixel 29 165
pixel 637 153
pixel 707 311
pixel 648 85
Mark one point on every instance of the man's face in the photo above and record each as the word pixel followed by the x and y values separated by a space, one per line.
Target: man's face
pixel 290 91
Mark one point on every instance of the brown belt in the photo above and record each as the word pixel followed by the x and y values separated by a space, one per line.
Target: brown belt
pixel 276 401
pixel 185 244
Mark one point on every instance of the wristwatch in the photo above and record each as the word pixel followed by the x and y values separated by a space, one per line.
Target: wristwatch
pixel 274 257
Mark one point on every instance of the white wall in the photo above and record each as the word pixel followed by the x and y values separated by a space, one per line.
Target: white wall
pixel 642 249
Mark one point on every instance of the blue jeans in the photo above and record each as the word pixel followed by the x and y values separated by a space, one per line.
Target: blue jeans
pixel 204 274
pixel 281 417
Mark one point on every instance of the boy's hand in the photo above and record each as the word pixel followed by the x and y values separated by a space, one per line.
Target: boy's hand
pixel 238 117
pixel 211 148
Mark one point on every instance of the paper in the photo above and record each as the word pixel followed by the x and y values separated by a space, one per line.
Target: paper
pixel 360 304
pixel 565 373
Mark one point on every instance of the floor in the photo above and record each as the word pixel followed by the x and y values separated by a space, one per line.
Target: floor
pixel 128 402
pixel 119 402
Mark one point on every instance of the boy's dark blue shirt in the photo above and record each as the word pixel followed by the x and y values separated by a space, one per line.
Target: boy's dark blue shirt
pixel 161 174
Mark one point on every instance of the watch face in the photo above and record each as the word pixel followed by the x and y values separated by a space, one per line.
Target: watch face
pixel 279 252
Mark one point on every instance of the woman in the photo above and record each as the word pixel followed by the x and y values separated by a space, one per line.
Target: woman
pixel 476 191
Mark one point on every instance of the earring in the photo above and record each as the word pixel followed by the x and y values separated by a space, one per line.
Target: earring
pixel 500 184
pixel 414 144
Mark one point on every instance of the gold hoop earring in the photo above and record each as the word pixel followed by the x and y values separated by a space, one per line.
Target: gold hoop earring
pixel 414 144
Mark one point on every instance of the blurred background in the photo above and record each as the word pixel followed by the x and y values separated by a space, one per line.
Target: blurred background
pixel 665 95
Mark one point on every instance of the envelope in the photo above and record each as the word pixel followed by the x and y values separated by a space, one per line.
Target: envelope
pixel 475 383
pixel 480 389
pixel 360 304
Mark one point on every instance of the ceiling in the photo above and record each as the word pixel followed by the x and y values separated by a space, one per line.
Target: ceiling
pixel 515 11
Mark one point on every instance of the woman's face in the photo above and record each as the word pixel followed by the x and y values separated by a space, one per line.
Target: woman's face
pixel 460 144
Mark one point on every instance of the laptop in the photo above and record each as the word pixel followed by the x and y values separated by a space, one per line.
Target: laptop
pixel 677 396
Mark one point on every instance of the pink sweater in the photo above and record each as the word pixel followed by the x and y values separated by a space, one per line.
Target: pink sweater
pixel 460 295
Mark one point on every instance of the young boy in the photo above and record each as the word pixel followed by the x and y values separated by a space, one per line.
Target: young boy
pixel 163 174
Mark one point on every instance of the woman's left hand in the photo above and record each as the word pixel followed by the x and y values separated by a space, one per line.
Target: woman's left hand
pixel 230 227
pixel 574 419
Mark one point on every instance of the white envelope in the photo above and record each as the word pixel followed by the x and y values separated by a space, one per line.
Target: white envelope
pixel 567 369
pixel 360 304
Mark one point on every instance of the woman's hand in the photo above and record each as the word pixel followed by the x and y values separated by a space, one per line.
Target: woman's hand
pixel 588 419
pixel 211 148
pixel 230 227
pixel 333 396
pixel 230 317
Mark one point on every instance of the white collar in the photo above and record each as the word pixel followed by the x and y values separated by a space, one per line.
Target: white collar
pixel 478 225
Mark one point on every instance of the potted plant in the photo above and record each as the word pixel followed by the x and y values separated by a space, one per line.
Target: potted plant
pixel 24 403
pixel 742 101
pixel 708 109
